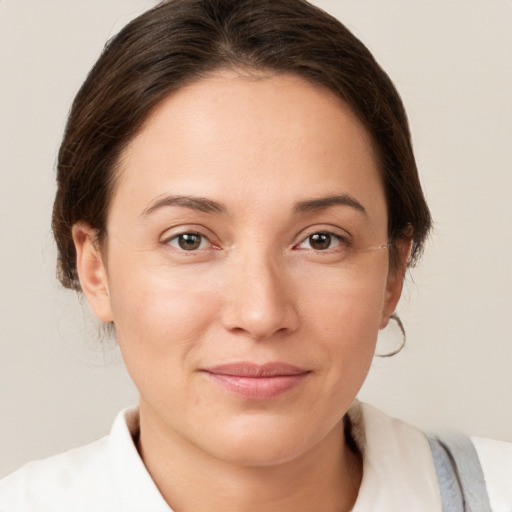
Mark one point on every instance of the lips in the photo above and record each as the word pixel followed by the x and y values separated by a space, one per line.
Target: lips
pixel 257 382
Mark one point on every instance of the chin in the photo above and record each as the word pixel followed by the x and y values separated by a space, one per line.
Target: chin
pixel 263 442
pixel 260 453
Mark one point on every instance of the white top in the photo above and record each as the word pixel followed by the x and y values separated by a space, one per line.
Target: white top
pixel 109 475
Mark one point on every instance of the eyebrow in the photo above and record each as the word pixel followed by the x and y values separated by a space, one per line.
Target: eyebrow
pixel 194 203
pixel 322 203
pixel 205 205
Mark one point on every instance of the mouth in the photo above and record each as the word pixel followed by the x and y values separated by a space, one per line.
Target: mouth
pixel 257 382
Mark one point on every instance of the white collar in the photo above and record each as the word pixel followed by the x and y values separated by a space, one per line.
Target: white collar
pixel 398 467
pixel 131 478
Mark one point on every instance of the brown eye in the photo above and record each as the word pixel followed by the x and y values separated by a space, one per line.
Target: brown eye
pixel 320 241
pixel 188 241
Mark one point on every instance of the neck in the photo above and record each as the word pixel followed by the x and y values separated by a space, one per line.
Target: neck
pixel 327 477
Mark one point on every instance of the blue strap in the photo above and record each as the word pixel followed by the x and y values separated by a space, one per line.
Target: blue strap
pixel 459 473
pixel 451 492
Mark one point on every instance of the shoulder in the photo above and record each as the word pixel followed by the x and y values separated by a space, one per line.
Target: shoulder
pixel 56 483
pixel 105 476
pixel 496 461
pixel 396 453
pixel 480 468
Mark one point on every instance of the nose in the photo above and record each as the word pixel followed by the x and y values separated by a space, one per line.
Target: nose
pixel 259 300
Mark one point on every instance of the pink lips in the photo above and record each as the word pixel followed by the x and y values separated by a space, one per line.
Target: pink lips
pixel 257 382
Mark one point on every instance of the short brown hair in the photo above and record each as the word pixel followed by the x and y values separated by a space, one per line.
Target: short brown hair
pixel 180 41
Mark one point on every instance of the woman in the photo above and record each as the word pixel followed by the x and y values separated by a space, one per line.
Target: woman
pixel 238 198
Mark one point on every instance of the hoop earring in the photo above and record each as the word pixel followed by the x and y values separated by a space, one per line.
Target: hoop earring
pixel 400 325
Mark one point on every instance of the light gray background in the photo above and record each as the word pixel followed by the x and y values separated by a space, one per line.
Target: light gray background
pixel 452 62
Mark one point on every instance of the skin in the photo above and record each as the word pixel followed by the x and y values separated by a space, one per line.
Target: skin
pixel 255 290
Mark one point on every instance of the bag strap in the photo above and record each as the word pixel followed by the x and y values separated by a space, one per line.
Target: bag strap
pixel 459 473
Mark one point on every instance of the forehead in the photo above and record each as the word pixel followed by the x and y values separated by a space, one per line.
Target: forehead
pixel 253 138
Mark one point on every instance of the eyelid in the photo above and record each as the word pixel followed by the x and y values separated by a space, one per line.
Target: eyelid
pixel 182 229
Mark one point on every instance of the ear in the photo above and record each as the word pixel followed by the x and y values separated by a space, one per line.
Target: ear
pixel 396 280
pixel 92 271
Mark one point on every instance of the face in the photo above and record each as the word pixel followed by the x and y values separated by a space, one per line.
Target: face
pixel 243 266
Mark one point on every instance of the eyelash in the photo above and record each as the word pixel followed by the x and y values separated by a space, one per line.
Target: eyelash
pixel 340 240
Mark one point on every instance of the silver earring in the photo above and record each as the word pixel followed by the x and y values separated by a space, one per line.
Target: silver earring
pixel 400 325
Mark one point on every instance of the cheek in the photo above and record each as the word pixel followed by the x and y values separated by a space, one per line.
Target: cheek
pixel 160 315
pixel 346 320
pixel 348 310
